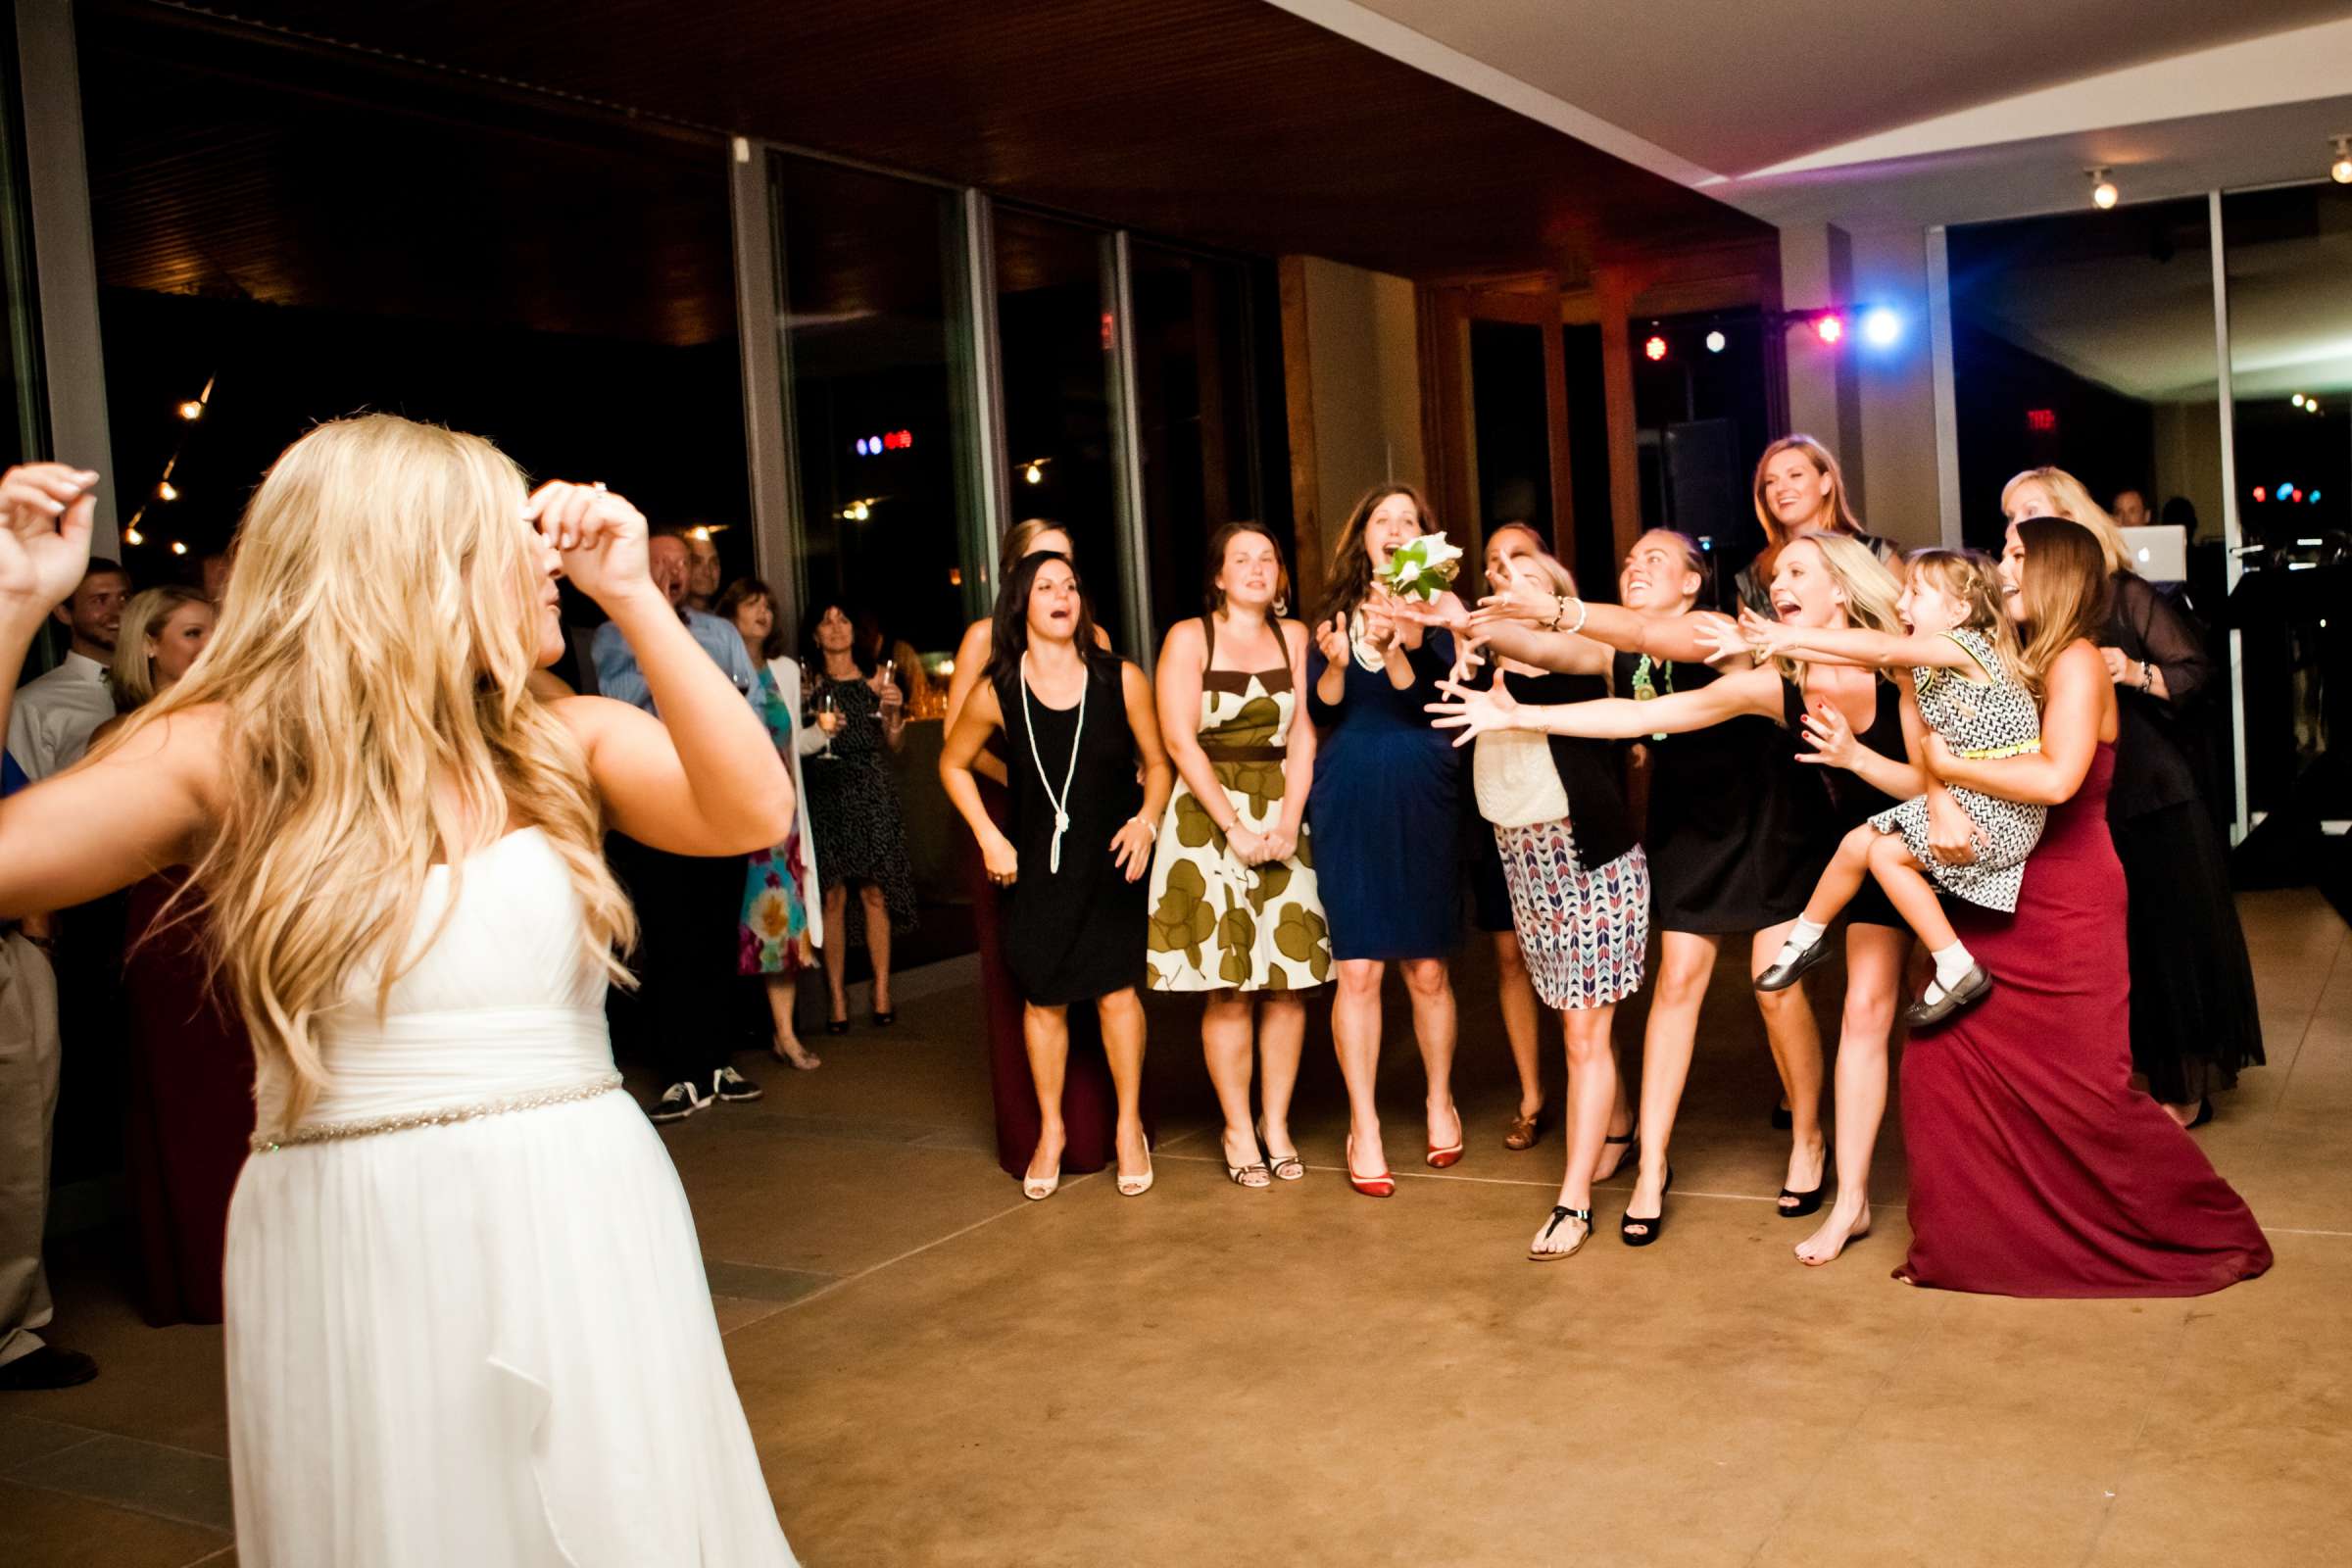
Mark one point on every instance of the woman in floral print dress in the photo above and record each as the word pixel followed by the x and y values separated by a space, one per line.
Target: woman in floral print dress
pixel 1234 909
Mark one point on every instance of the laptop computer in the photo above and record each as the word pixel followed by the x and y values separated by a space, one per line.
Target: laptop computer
pixel 2160 555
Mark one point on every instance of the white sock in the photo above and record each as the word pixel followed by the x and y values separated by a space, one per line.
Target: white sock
pixel 1950 965
pixel 1801 936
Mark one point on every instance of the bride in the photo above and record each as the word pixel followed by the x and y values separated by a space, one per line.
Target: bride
pixel 467 1317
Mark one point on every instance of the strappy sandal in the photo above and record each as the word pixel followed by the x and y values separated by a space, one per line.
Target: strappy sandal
pixel 1239 1175
pixel 1526 1131
pixel 1632 1155
pixel 1583 1216
pixel 1285 1167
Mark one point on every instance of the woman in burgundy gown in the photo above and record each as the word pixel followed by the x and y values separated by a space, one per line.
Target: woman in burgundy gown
pixel 2036 1169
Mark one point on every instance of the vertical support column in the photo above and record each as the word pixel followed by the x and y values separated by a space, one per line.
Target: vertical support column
pixel 1127 430
pixel 1817 269
pixel 65 256
pixel 992 475
pixel 2233 533
pixel 1948 415
pixel 776 547
pixel 1298 409
pixel 1556 423
pixel 1615 291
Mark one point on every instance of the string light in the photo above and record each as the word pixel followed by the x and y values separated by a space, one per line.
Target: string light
pixel 2341 169
pixel 1035 473
pixel 2297 400
pixel 179 549
pixel 167 491
pixel 2103 194
pixel 132 536
pixel 191 409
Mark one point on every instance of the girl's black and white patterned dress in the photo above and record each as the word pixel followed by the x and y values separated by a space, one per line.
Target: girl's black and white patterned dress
pixel 1991 717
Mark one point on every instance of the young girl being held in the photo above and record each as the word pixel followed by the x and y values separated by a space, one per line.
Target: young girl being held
pixel 1967 686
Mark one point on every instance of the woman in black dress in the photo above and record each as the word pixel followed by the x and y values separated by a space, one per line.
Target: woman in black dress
pixel 854 806
pixel 2194 1020
pixel 1076 722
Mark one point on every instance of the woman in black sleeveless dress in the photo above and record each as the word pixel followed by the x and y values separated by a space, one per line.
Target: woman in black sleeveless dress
pixel 1075 722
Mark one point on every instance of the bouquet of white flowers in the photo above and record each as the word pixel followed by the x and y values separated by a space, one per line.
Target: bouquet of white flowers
pixel 1421 569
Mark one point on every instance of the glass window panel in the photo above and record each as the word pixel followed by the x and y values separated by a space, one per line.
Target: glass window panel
pixel 23 426
pixel 1510 425
pixel 2287 254
pixel 1196 417
pixel 1055 341
pixel 873 349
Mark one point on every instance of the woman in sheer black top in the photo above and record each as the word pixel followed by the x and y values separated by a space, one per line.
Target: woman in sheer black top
pixel 2194 1022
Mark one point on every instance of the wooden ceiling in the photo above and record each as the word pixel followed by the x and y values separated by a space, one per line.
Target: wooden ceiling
pixel 1224 123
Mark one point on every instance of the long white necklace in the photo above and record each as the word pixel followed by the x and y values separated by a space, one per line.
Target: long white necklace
pixel 1062 801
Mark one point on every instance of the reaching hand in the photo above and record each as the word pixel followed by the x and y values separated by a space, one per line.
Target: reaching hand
pixel 1473 712
pixel 600 537
pixel 1726 638
pixel 1331 639
pixel 1131 847
pixel 1466 658
pixel 45 515
pixel 1445 613
pixel 1528 603
pixel 1830 736
pixel 1380 624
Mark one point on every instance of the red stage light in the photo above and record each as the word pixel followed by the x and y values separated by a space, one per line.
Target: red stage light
pixel 1830 328
pixel 2260 494
pixel 1655 348
pixel 2041 419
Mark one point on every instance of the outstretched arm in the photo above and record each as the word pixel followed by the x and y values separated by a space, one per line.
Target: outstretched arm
pixel 1473 712
pixel 1857 645
pixel 2073 714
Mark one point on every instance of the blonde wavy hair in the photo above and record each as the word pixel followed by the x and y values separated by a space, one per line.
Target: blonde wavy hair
pixel 370 670
pixel 1870 591
pixel 1970 579
pixel 130 672
pixel 2071 501
pixel 1841 510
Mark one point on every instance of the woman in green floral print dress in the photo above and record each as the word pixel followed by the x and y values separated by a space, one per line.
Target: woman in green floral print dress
pixel 1234 909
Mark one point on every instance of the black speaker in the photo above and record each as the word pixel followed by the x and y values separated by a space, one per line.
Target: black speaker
pixel 1704 496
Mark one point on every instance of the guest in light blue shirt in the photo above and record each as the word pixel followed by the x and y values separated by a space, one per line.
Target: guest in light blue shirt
pixel 617 673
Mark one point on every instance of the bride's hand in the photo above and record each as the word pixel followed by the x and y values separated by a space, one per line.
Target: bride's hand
pixel 601 537
pixel 45 515
pixel 1472 712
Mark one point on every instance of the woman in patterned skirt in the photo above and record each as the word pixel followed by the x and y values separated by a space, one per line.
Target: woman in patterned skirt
pixel 1579 886
pixel 1233 909
pixel 854 800
pixel 782 922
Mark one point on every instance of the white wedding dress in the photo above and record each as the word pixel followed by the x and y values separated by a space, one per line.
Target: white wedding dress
pixel 485 1340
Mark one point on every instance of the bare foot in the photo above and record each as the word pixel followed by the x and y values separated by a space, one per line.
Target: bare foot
pixel 1842 1226
pixel 1808 1164
pixel 787 1049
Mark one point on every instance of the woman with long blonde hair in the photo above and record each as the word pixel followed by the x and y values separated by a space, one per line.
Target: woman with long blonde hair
pixel 467 1319
pixel 2194 1018
pixel 162 631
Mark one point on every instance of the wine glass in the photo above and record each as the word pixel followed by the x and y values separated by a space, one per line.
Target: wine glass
pixel 828 717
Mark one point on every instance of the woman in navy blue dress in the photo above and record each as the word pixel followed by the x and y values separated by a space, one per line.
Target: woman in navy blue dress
pixel 1384 805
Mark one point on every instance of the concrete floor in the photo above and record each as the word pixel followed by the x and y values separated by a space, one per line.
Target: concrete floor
pixel 940 1373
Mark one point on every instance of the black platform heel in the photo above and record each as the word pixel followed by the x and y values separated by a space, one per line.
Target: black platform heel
pixel 1655 1223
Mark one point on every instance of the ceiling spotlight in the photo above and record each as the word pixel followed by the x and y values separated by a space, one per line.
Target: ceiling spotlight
pixel 2341 169
pixel 1654 349
pixel 2103 194
pixel 1035 473
pixel 1880 326
pixel 1715 342
pixel 2297 399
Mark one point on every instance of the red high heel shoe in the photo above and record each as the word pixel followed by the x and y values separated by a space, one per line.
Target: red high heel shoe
pixel 1383 1185
pixel 1442 1158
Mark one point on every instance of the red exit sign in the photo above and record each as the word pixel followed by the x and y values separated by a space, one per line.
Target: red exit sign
pixel 2041 419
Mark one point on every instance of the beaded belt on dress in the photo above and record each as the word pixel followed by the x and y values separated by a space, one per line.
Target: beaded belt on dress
pixel 441 1116
pixel 1993 754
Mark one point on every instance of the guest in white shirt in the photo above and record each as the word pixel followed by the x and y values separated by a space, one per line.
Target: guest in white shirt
pixel 49 726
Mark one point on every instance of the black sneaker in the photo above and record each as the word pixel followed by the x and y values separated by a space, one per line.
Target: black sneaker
pixel 46 1369
pixel 679 1102
pixel 730 1084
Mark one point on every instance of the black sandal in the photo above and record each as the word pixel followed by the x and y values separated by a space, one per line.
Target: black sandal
pixel 1583 1216
pixel 1631 1156
pixel 837 1026
pixel 883 1020
pixel 1656 1222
